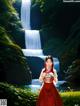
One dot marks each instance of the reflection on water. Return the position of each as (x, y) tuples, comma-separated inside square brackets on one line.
[(36, 85)]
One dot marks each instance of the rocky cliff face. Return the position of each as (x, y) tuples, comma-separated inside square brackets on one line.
[(60, 31), (13, 64)]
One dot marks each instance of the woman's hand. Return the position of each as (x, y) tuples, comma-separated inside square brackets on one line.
[(51, 74), (43, 75)]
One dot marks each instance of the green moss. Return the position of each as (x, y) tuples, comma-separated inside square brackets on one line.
[(5, 39), (6, 6), (13, 68), (9, 19)]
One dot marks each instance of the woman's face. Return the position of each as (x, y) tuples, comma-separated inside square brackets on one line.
[(49, 63)]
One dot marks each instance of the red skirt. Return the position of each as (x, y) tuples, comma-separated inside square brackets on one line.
[(49, 96)]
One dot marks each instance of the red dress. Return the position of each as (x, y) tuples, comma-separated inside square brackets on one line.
[(49, 95)]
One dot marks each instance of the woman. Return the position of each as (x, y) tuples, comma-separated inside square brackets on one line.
[(48, 95)]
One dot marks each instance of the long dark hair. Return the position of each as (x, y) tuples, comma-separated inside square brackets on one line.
[(51, 58)]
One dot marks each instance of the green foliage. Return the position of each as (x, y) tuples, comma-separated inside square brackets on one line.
[(16, 95), (13, 64), (46, 5), (42, 3), (21, 96), (9, 19), (6, 5), (73, 74), (71, 98)]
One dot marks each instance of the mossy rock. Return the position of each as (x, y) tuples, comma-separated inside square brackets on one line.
[(9, 19), (13, 64)]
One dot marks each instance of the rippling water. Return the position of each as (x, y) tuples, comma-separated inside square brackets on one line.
[(36, 85)]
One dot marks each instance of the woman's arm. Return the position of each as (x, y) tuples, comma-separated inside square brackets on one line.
[(41, 77), (55, 77)]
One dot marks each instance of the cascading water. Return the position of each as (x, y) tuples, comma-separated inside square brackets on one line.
[(25, 14), (32, 37)]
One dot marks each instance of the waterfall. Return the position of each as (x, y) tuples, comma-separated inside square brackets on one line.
[(32, 37), (25, 14)]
